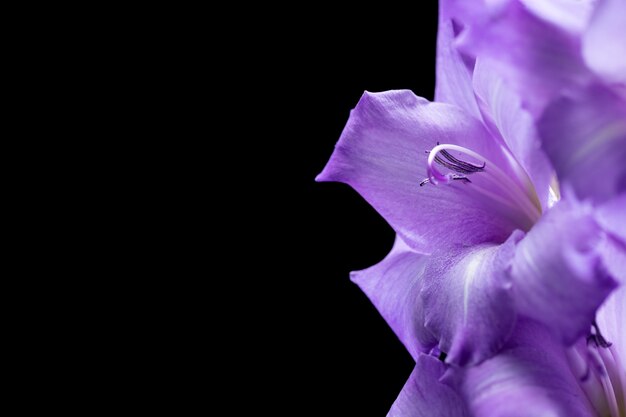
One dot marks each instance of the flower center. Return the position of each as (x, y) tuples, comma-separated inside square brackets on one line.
[(515, 192), (601, 374)]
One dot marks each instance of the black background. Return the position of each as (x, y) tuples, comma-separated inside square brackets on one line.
[(323, 339)]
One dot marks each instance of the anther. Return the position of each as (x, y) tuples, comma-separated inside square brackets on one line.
[(597, 337), (454, 177), (462, 164)]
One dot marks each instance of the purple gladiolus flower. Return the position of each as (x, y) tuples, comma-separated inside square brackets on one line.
[(508, 197)]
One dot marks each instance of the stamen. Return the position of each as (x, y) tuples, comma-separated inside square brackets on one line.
[(598, 339), (466, 165), (605, 379), (451, 166), (458, 164), (460, 177), (463, 169), (518, 196), (620, 377), (601, 375), (454, 177), (587, 369)]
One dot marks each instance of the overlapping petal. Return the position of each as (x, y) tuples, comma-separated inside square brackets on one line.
[(569, 15), (611, 215), (425, 396), (530, 377), (585, 138), (538, 59), (393, 286), (468, 302), (454, 75), (604, 48), (382, 154), (559, 276), (446, 298), (503, 112)]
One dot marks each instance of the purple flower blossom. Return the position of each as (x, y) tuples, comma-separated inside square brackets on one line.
[(508, 196)]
